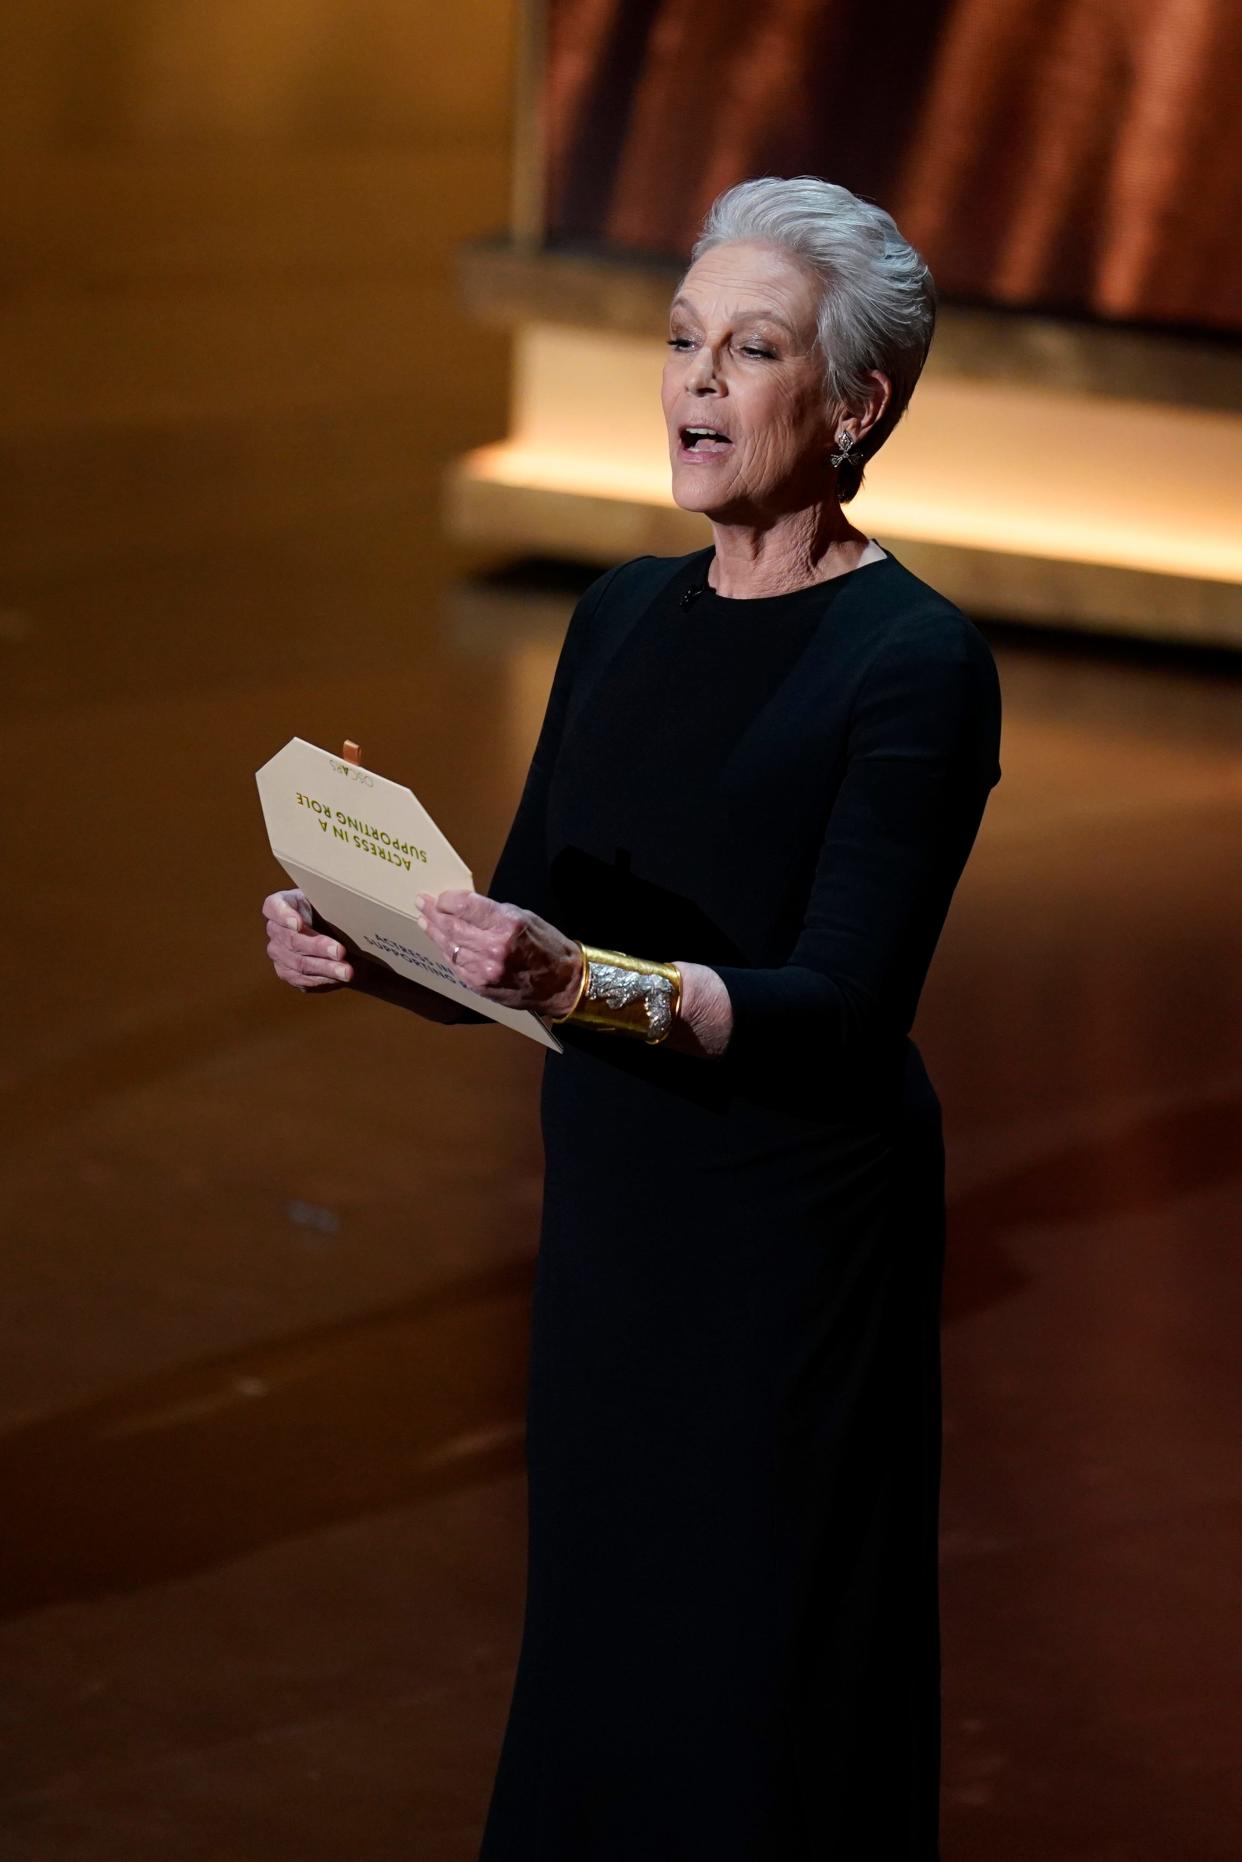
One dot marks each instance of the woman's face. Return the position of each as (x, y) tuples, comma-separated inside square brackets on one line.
[(743, 360)]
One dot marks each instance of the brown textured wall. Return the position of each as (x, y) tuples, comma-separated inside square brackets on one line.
[(1074, 155), (226, 304)]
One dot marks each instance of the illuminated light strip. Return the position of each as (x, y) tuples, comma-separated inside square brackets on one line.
[(1073, 536), (976, 465)]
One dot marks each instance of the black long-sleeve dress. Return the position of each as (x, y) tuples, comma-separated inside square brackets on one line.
[(731, 1641)]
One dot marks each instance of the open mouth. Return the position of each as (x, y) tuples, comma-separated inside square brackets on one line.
[(704, 440)]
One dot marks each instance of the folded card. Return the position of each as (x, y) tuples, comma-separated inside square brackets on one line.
[(361, 848)]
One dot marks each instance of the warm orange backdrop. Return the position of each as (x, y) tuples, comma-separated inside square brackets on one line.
[(1083, 156)]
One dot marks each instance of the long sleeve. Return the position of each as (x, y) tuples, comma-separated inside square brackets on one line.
[(922, 756), (521, 872)]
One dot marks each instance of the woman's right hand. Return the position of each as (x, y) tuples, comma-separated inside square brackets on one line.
[(300, 955)]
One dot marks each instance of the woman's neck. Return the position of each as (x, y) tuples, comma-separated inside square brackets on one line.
[(806, 546)]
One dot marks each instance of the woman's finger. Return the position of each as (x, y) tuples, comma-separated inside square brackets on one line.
[(446, 931), (434, 915), (478, 924), (466, 907), (280, 909), (303, 979), (305, 963), (312, 970), (474, 907), (307, 944)]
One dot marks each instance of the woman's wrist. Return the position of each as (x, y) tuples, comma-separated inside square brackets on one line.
[(566, 999), (704, 1020)]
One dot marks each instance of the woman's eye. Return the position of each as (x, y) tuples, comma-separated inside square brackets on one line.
[(748, 349)]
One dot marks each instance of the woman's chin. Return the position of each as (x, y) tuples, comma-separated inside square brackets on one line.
[(696, 490), (690, 498)]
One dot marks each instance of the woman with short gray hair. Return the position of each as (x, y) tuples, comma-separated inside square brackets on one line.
[(877, 301), (761, 771)]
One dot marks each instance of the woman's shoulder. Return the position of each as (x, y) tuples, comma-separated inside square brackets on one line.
[(636, 578), (610, 605), (906, 615)]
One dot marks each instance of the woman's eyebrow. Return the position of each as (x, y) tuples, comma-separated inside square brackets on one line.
[(755, 313)]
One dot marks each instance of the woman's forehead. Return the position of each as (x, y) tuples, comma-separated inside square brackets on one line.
[(742, 280)]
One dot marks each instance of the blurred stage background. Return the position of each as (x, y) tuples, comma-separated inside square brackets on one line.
[(303, 306)]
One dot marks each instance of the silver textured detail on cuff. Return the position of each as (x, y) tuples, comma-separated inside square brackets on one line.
[(617, 988)]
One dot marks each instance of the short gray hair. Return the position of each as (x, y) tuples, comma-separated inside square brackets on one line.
[(877, 305)]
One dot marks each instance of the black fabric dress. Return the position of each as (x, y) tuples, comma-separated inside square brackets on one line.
[(731, 1640)]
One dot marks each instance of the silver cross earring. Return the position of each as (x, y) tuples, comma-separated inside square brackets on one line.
[(845, 441)]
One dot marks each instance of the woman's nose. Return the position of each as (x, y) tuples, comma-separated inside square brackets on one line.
[(703, 368)]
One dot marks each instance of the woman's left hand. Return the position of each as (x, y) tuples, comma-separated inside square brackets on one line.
[(506, 953)]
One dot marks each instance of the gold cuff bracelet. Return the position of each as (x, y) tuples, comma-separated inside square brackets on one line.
[(620, 994)]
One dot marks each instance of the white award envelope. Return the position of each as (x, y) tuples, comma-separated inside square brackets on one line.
[(361, 847)]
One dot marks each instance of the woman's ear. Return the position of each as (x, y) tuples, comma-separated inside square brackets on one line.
[(877, 395)]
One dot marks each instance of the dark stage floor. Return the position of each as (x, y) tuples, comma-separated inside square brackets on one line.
[(268, 1257)]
